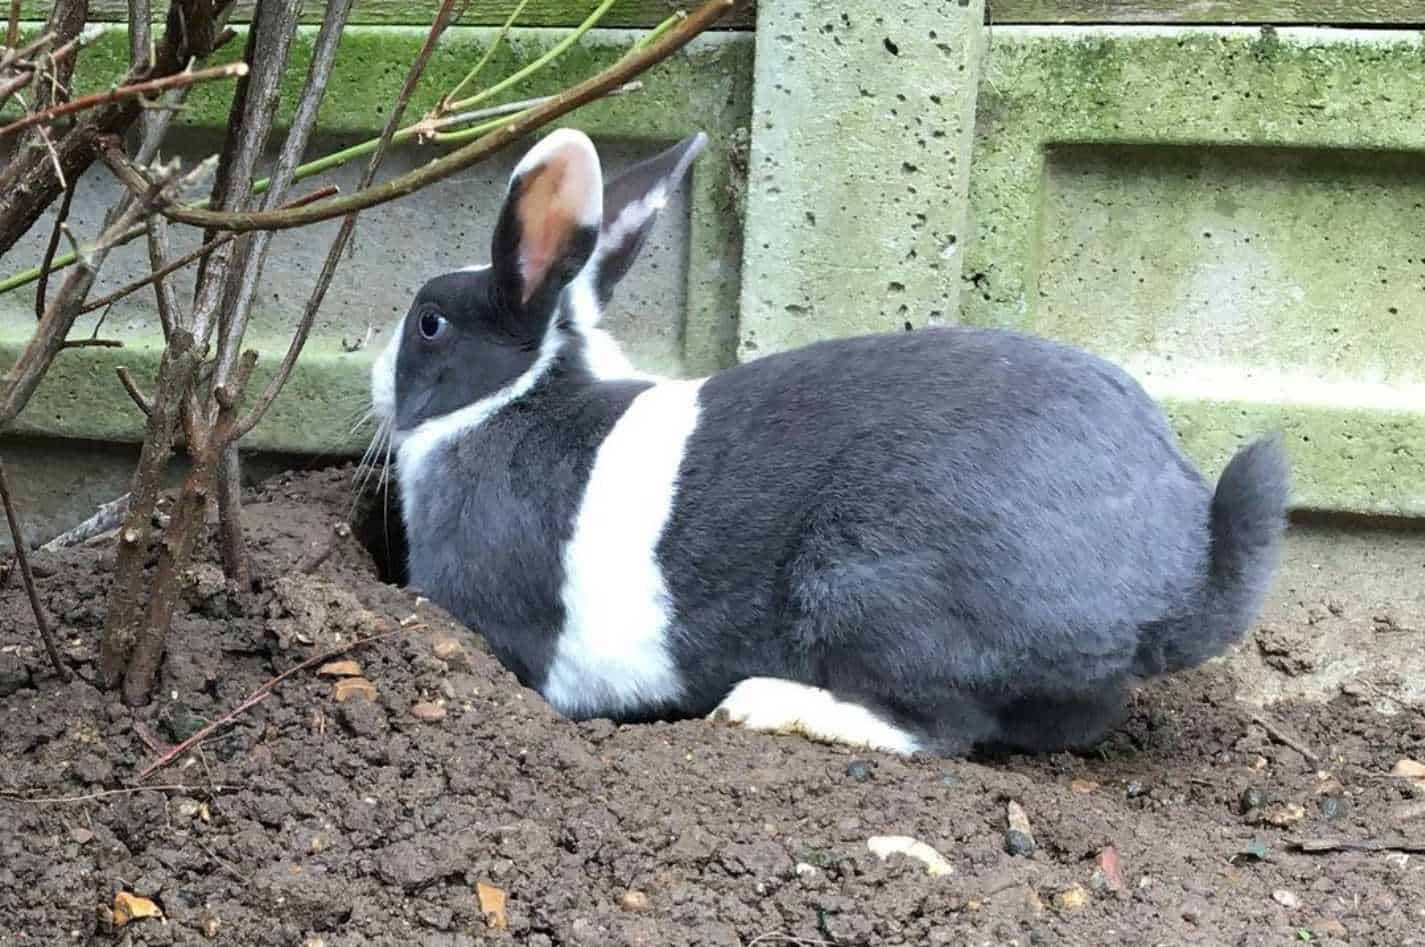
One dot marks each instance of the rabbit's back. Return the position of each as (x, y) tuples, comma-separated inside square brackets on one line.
[(948, 509)]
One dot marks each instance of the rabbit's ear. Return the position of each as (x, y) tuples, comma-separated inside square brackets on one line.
[(548, 227), (631, 206)]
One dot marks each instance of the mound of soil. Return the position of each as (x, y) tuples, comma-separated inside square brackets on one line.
[(435, 801)]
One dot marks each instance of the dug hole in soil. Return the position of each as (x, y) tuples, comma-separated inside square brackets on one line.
[(443, 804)]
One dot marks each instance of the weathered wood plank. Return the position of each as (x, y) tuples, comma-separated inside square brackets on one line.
[(1281, 12), (625, 13)]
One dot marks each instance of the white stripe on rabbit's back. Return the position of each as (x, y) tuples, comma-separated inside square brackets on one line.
[(614, 653), (774, 705)]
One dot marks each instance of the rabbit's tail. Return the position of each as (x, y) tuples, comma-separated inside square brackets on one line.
[(1247, 520)]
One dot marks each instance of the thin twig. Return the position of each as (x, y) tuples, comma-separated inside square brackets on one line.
[(553, 53), (1286, 739), (179, 263), (43, 288), (563, 103), (1320, 846), (12, 29), (104, 794), (348, 225), (135, 392), (135, 90), (94, 343), (17, 538), (445, 102), (262, 692), (29, 72)]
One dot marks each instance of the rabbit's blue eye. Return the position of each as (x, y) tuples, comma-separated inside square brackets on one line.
[(432, 325)]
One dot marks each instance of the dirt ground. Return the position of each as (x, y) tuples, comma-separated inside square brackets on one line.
[(445, 805)]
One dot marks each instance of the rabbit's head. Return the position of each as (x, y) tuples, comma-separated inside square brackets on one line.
[(485, 334)]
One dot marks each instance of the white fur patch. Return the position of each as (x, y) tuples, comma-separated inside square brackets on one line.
[(773, 705), (613, 654), (383, 376)]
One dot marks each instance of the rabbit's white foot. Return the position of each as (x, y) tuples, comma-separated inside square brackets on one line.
[(773, 705)]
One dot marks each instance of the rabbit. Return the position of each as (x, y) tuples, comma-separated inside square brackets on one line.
[(945, 541)]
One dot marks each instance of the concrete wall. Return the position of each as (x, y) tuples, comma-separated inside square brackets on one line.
[(1233, 213)]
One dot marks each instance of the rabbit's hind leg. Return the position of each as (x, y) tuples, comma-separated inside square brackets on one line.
[(775, 705)]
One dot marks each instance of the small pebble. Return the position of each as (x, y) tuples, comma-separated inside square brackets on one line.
[(1018, 844), (635, 902), (804, 870), (858, 770), (1330, 927), (1285, 816), (1135, 789), (1019, 836), (1286, 899), (428, 711), (1251, 798), (1330, 807)]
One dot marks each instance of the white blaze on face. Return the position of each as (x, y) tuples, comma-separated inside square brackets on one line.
[(383, 376)]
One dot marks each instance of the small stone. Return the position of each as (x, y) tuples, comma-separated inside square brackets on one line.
[(804, 870), (858, 770), (635, 902), (14, 675), (1071, 899), (1108, 872), (1329, 807), (1285, 816), (1019, 836), (1018, 844), (1135, 789), (1286, 899), (1330, 927), (211, 924), (1082, 787), (346, 668), (451, 652), (428, 711), (1412, 770), (1251, 799), (884, 846), (81, 836)]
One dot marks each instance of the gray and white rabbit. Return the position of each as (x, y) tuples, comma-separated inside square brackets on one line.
[(937, 541)]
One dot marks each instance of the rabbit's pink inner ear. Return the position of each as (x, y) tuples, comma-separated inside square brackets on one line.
[(559, 196)]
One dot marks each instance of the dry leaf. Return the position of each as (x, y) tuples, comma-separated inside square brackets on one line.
[(1412, 770), (446, 648), (492, 905), (1285, 816), (1083, 786), (130, 907), (349, 687), (346, 668), (1071, 899), (884, 846)]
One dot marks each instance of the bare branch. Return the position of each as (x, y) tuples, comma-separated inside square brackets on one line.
[(22, 556), (29, 72), (616, 75), (135, 392), (134, 90), (59, 220), (107, 517), (28, 184), (12, 30)]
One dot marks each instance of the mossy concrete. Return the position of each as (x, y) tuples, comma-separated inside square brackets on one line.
[(1248, 238), (859, 167), (676, 311)]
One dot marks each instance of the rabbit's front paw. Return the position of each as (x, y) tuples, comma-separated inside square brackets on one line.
[(773, 705)]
